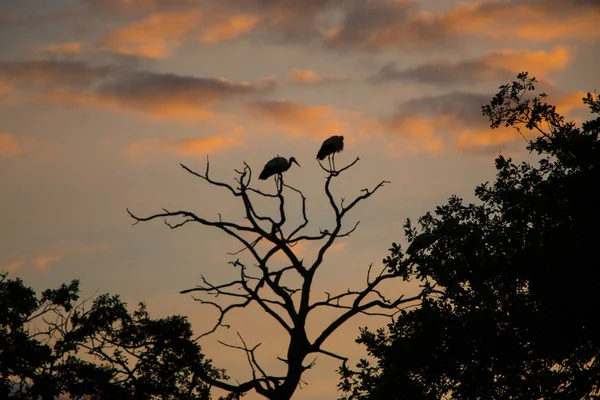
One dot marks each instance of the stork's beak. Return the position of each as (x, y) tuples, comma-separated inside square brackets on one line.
[(296, 163)]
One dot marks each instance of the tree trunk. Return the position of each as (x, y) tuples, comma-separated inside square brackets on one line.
[(297, 352)]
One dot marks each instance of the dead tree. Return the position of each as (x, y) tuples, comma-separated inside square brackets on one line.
[(290, 306)]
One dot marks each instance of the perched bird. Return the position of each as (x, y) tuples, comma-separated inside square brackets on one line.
[(277, 165), (421, 242), (329, 147)]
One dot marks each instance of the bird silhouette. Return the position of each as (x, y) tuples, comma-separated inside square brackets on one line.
[(333, 145), (277, 165), (421, 242)]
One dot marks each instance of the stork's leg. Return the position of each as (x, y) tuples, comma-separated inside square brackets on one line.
[(329, 161), (333, 160)]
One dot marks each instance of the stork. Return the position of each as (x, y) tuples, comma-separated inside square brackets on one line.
[(421, 242), (328, 149), (277, 166)]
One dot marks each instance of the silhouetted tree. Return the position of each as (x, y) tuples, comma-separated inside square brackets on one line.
[(273, 289), (50, 346), (513, 282)]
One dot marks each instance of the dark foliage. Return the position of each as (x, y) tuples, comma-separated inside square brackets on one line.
[(51, 347), (513, 282)]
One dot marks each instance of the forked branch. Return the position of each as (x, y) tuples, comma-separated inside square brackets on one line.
[(268, 288)]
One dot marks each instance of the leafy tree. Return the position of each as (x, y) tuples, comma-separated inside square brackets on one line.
[(286, 293), (512, 285), (51, 346)]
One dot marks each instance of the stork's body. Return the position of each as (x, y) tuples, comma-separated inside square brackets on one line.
[(333, 145), (277, 165), (421, 242)]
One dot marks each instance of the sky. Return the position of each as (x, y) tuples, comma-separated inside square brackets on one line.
[(101, 100)]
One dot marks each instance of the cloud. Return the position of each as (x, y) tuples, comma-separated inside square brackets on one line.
[(364, 24), (18, 146), (157, 95), (9, 146), (142, 88), (232, 27), (153, 94), (303, 120), (137, 6), (154, 37), (401, 23), (210, 21), (13, 266), (464, 105), (304, 250), (5, 88), (540, 20), (307, 76), (274, 21), (537, 62), (501, 65), (378, 23), (63, 48), (284, 20), (50, 73), (567, 102), (142, 151), (452, 121), (43, 262), (66, 249)]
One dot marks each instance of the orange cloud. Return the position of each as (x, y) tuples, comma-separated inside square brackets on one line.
[(9, 146), (532, 22), (13, 266), (50, 73), (202, 146), (155, 37), (540, 20), (43, 262), (63, 48), (232, 27), (155, 108), (499, 65), (156, 95), (141, 151), (303, 75), (123, 5), (470, 139), (567, 102), (435, 134), (446, 122), (160, 96), (302, 250), (536, 62), (303, 120), (454, 122), (5, 88), (308, 76), (338, 246), (65, 249), (421, 134), (232, 19), (402, 23)]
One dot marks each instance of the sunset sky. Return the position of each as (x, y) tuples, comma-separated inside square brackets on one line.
[(101, 100)]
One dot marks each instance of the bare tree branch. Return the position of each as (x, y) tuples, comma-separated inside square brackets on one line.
[(268, 287)]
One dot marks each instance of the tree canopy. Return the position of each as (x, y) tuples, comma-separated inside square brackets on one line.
[(512, 285), (52, 346)]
